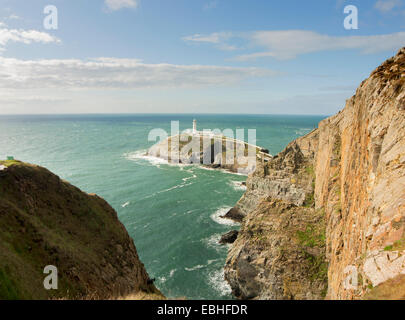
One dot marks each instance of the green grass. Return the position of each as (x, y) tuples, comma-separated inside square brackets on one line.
[(309, 200), (9, 163), (318, 267), (314, 236), (397, 245), (310, 170), (311, 237), (8, 289)]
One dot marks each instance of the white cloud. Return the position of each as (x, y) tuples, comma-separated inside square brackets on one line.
[(216, 37), (288, 44), (219, 39), (13, 17), (387, 5), (117, 73), (120, 4), (24, 36), (18, 100), (292, 43)]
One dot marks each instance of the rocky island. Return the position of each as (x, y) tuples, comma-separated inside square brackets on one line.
[(210, 150)]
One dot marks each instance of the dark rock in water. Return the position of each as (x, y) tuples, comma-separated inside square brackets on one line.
[(234, 214), (243, 183), (229, 237)]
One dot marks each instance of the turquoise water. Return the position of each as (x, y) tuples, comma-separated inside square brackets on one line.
[(172, 212)]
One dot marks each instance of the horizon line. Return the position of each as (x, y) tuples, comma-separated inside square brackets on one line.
[(160, 113)]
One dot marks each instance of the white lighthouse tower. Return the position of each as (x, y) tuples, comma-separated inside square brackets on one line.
[(194, 126)]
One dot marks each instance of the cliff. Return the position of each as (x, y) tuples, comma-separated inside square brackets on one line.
[(327, 215), (46, 221)]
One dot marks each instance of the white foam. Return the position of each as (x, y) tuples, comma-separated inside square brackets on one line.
[(181, 185), (191, 177), (302, 131), (171, 273), (162, 279), (217, 281), (200, 266), (213, 242), (142, 155), (237, 185), (216, 216), (156, 161), (212, 261), (125, 204)]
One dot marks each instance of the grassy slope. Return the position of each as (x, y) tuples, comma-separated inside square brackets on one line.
[(47, 221)]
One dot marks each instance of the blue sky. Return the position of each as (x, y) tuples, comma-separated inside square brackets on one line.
[(191, 56)]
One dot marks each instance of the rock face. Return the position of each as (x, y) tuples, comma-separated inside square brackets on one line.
[(357, 161), (46, 221), (229, 237), (280, 249), (360, 172)]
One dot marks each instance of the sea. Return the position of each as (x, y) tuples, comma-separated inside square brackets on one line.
[(173, 212)]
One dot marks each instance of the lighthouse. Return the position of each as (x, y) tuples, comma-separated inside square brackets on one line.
[(194, 126)]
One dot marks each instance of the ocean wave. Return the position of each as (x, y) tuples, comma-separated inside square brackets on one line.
[(200, 266), (125, 204), (156, 161), (188, 178), (237, 185), (181, 185), (213, 242), (302, 131), (141, 155), (171, 273), (212, 261), (162, 279), (217, 217), (217, 281)]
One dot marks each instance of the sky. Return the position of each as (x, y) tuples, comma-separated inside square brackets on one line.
[(191, 56)]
